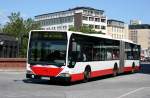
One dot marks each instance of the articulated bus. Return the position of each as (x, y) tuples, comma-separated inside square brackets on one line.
[(73, 56)]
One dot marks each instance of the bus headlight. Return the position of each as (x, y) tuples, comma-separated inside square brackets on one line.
[(64, 75)]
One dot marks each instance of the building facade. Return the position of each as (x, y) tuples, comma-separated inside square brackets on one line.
[(75, 17), (140, 34), (8, 46), (117, 29)]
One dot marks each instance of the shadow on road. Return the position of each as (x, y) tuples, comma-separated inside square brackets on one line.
[(44, 82), (59, 83)]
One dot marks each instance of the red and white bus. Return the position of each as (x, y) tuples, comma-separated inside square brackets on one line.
[(74, 56)]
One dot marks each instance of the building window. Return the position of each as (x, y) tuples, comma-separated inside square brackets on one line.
[(97, 26), (90, 12), (103, 20), (70, 19), (85, 18), (117, 29), (113, 29), (54, 28), (103, 27), (91, 26), (84, 11), (91, 19), (97, 13), (64, 27), (97, 19)]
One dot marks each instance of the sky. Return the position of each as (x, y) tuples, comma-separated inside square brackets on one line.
[(123, 10)]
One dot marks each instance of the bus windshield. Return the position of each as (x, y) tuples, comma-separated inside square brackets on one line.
[(47, 48)]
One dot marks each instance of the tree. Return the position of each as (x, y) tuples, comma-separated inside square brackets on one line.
[(30, 24), (15, 25), (85, 29), (19, 28), (0, 28)]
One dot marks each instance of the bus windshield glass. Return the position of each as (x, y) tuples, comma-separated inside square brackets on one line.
[(47, 48)]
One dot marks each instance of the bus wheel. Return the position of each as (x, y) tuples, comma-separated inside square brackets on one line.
[(87, 74), (133, 68), (115, 71)]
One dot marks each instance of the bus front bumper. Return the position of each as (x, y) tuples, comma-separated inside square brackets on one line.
[(62, 77)]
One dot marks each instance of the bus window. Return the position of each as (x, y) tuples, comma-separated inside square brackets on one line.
[(96, 52), (132, 51), (115, 54), (136, 52), (47, 48), (109, 54), (103, 53)]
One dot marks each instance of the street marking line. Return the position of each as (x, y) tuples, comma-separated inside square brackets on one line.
[(131, 92)]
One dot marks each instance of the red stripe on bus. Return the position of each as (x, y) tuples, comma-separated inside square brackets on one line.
[(80, 76), (127, 69), (46, 71), (101, 72), (77, 77), (138, 68)]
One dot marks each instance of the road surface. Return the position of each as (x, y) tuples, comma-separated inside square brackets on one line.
[(137, 85)]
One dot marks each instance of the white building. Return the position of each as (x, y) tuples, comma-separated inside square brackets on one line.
[(117, 29), (75, 17)]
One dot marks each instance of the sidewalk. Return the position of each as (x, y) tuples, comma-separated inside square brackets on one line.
[(12, 69)]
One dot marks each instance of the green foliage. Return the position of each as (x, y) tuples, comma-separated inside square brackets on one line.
[(85, 29), (15, 25), (19, 28), (0, 30)]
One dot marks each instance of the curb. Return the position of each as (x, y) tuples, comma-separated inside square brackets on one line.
[(12, 70)]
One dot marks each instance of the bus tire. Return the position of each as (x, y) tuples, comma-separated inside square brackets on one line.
[(115, 70), (87, 74), (133, 68)]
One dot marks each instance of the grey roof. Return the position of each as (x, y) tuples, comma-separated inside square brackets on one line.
[(76, 8), (89, 8), (115, 20), (140, 26)]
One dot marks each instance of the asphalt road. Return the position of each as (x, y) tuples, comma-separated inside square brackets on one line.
[(137, 85)]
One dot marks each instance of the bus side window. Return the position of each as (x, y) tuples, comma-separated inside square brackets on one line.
[(109, 54), (115, 54), (76, 52)]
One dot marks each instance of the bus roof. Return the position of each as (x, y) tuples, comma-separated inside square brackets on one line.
[(102, 36), (93, 35)]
